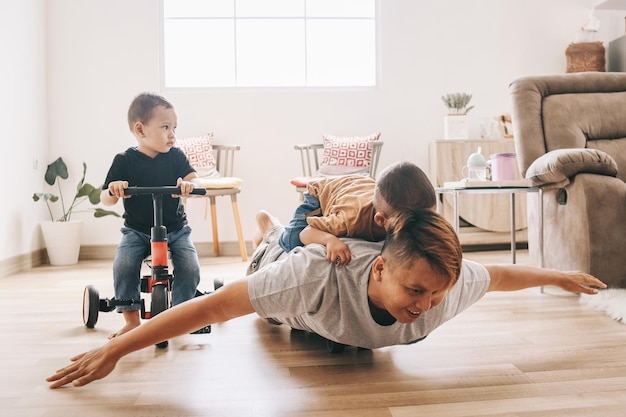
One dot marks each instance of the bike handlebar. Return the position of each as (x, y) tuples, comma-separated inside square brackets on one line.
[(169, 189)]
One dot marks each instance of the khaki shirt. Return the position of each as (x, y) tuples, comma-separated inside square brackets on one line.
[(347, 207)]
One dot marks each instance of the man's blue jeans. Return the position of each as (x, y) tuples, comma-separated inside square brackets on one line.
[(290, 237), (135, 247)]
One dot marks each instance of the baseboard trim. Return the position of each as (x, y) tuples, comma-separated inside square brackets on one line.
[(39, 257), (494, 247), (24, 262)]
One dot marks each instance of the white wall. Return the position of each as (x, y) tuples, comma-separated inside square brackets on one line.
[(23, 120), (102, 53)]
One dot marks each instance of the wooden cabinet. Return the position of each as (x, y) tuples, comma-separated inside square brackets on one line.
[(487, 216)]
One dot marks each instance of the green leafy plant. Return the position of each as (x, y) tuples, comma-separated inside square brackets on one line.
[(457, 103), (84, 191)]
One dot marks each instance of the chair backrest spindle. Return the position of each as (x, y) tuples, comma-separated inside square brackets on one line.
[(225, 159)]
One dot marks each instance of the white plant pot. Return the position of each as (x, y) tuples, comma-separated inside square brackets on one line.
[(455, 127), (62, 241)]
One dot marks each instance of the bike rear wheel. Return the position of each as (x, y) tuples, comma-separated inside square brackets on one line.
[(160, 302)]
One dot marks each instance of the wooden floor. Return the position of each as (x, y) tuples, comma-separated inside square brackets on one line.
[(511, 354)]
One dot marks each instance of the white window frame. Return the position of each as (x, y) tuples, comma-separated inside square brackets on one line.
[(290, 88)]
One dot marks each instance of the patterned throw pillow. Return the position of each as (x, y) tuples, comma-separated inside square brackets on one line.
[(347, 155), (199, 151)]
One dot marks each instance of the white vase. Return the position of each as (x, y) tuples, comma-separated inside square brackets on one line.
[(455, 126), (62, 241)]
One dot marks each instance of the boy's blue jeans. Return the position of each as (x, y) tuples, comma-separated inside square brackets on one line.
[(290, 237), (135, 247)]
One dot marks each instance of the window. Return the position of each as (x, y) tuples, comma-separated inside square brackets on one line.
[(269, 43)]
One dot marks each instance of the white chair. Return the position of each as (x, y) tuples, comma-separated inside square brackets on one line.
[(311, 159), (225, 161), (224, 185)]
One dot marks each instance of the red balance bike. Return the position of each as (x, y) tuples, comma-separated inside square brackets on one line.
[(159, 283)]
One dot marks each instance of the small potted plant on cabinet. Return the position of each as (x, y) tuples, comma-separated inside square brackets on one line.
[(62, 235), (455, 123)]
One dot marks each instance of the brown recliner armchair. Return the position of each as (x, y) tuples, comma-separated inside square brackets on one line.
[(570, 139)]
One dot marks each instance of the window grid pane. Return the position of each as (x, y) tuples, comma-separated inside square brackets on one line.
[(340, 8), (270, 52), (198, 8), (269, 8), (340, 53), (209, 63), (269, 46)]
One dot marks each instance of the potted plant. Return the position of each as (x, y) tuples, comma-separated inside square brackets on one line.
[(62, 235), (455, 123)]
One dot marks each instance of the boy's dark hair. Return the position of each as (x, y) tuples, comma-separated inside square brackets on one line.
[(140, 109), (404, 186), (423, 234)]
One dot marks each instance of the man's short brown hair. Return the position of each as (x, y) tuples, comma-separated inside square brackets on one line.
[(423, 234)]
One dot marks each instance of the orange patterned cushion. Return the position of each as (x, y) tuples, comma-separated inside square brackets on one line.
[(199, 151), (347, 155)]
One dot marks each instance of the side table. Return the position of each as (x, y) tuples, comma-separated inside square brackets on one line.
[(492, 187)]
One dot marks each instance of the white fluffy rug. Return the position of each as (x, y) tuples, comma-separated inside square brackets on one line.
[(611, 301)]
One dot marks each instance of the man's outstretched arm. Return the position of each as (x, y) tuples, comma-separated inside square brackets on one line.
[(518, 277), (228, 302)]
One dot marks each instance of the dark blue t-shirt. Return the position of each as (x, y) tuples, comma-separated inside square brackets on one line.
[(142, 171)]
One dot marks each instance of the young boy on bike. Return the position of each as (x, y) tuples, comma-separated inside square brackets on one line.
[(153, 162)]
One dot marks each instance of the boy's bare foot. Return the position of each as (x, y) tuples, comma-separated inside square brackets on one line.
[(132, 320), (264, 222)]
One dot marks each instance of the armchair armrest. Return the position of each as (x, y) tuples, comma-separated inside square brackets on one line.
[(555, 168)]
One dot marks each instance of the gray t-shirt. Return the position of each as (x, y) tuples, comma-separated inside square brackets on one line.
[(305, 291)]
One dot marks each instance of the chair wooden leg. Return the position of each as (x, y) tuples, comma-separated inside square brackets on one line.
[(242, 242), (216, 242)]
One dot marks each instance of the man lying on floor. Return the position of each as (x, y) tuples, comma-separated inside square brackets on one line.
[(392, 292)]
